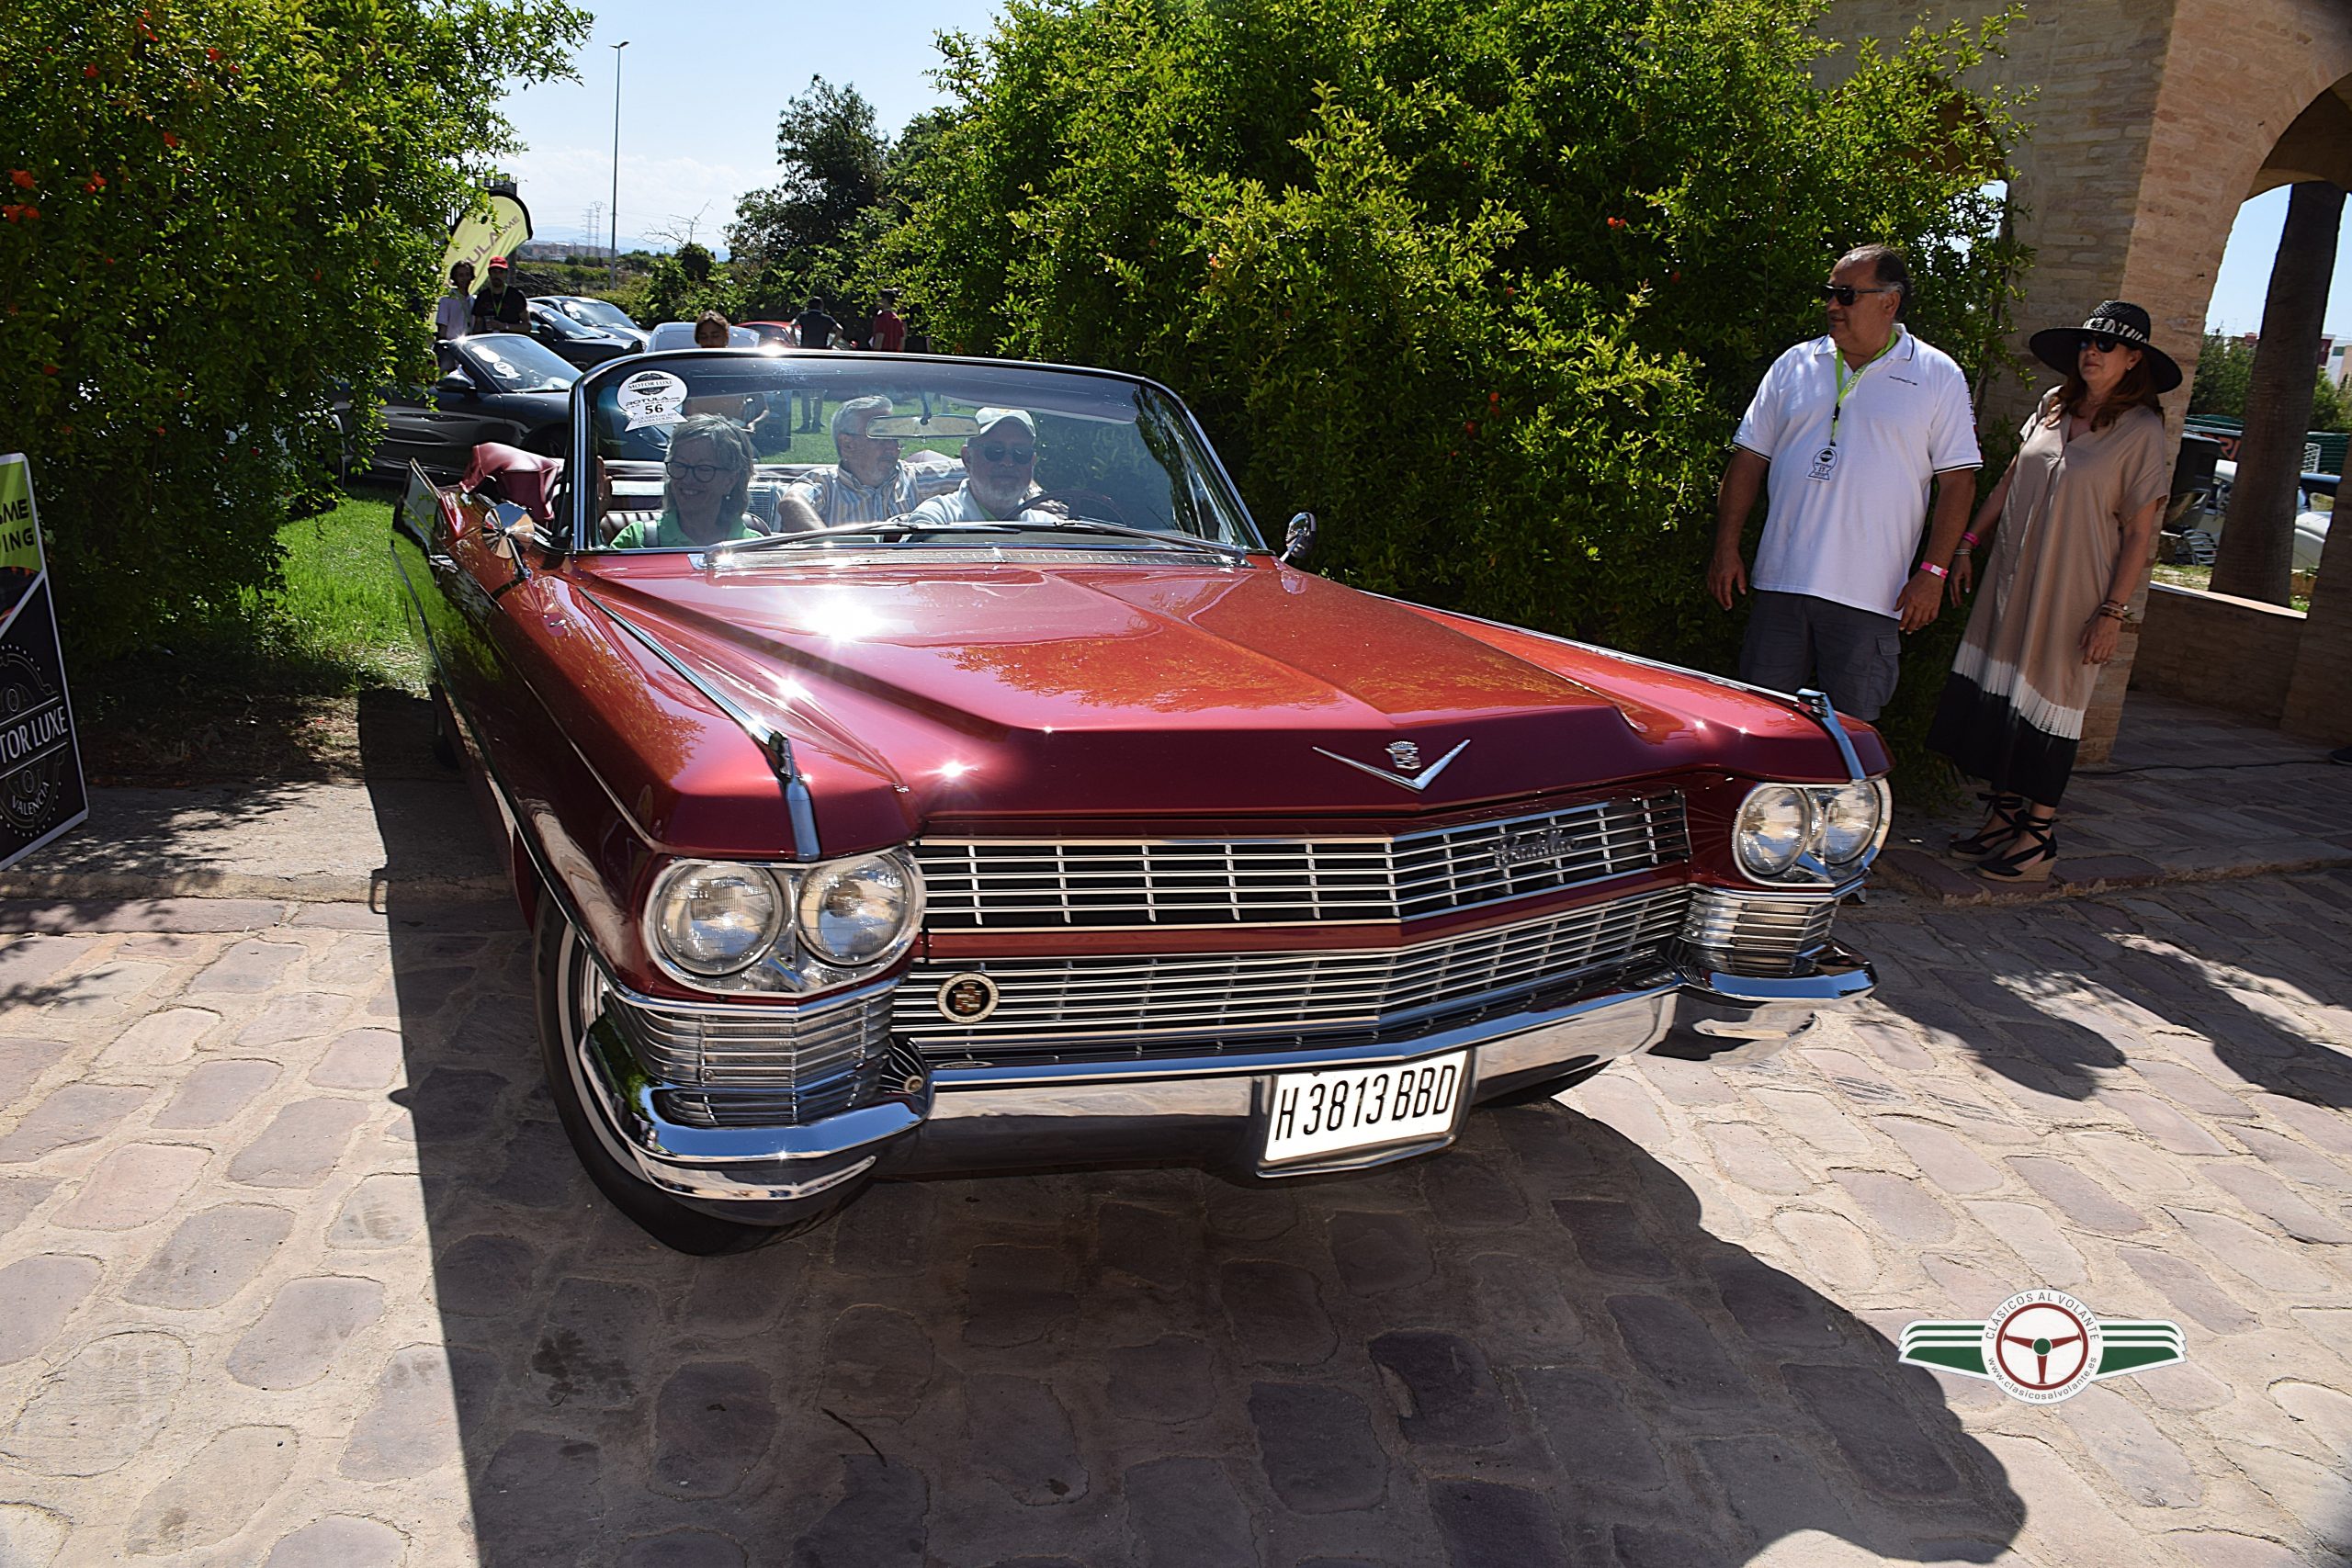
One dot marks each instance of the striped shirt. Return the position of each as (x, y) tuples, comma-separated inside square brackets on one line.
[(836, 498)]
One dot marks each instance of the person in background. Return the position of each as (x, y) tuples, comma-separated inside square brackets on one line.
[(2077, 510), (707, 489), (871, 483), (817, 329), (710, 330), (454, 312), (499, 307), (890, 328), (1849, 430)]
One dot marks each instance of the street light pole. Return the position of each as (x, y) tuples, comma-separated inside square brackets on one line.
[(615, 276)]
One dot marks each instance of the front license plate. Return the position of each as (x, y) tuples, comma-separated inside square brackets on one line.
[(1326, 1113)]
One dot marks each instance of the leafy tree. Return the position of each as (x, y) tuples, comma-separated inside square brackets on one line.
[(833, 157), (2225, 369), (1485, 286), (219, 211)]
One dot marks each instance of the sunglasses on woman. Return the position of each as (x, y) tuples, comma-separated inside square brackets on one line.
[(2106, 342), (998, 452)]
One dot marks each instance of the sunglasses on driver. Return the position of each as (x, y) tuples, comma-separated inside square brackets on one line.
[(999, 452)]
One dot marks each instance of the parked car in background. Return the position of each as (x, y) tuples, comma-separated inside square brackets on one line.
[(1078, 827), (2312, 517), (2315, 508), (668, 335), (574, 342), (777, 334), (590, 311), (499, 386)]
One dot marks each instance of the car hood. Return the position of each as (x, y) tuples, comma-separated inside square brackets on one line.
[(1126, 690)]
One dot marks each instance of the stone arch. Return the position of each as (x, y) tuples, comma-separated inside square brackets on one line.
[(2153, 122)]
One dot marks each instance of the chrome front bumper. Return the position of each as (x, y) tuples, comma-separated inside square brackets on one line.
[(1205, 1111)]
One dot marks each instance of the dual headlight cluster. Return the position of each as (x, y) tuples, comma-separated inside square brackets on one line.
[(1811, 832), (713, 923)]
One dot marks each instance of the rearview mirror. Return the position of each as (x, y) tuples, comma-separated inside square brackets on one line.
[(1299, 537), (919, 427)]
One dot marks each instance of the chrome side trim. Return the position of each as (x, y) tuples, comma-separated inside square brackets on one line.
[(774, 743)]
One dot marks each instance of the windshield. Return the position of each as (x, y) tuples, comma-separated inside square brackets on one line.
[(513, 363), (701, 448), (599, 312)]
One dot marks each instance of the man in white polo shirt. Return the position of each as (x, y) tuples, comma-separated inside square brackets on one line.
[(1848, 430)]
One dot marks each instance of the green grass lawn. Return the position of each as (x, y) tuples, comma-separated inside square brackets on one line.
[(339, 610), (308, 678)]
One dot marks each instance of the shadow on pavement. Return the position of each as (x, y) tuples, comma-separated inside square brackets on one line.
[(1530, 1352)]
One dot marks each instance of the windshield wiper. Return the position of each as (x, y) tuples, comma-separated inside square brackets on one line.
[(901, 528), (1179, 541)]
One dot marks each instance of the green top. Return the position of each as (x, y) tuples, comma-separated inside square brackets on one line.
[(668, 534)]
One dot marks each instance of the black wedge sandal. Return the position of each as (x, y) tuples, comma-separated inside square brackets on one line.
[(2032, 858), (2008, 813)]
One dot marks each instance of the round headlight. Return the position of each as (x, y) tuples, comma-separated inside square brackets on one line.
[(1850, 818), (1772, 830), (714, 916), (855, 911)]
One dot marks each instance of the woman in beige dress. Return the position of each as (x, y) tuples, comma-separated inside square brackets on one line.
[(2077, 514)]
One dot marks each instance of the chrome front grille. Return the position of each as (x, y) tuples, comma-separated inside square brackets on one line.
[(1124, 1004), (1001, 884), (809, 1061), (1762, 934)]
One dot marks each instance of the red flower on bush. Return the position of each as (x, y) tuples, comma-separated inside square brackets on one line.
[(49, 369), (171, 141), (1616, 222), (1494, 399), (1469, 427), (94, 185), (89, 70), (24, 179), (213, 56)]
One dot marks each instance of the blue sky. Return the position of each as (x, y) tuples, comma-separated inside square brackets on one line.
[(702, 80)]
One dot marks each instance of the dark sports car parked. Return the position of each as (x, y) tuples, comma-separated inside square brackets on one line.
[(498, 387), (583, 346), (602, 314)]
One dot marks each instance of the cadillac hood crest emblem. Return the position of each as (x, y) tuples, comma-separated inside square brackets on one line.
[(1405, 756)]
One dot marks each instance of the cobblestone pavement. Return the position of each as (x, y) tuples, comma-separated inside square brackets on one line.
[(296, 1270)]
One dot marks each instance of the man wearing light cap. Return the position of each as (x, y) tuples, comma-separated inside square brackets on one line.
[(498, 308), (1000, 465)]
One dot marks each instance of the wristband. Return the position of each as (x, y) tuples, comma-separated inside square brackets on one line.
[(1933, 570), (1969, 541)]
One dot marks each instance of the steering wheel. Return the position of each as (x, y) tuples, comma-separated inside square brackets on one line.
[(1080, 502)]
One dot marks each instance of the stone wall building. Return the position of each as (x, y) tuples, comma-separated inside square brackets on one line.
[(2153, 122)]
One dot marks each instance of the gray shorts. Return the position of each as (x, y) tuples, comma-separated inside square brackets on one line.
[(1796, 640)]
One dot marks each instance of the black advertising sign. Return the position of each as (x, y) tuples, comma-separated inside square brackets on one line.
[(42, 793)]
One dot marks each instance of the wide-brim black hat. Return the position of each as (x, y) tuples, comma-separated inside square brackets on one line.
[(2060, 347)]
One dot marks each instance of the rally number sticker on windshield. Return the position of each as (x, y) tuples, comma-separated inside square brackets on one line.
[(652, 397)]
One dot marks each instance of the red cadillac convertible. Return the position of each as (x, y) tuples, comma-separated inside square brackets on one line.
[(964, 785)]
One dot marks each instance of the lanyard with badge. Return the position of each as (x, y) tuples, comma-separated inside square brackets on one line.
[(1824, 462)]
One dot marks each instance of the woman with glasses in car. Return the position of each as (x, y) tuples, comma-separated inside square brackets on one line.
[(706, 491), (2076, 513)]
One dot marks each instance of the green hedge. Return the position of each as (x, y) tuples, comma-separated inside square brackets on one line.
[(1484, 287)]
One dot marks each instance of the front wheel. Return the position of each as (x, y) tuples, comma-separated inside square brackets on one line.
[(570, 997)]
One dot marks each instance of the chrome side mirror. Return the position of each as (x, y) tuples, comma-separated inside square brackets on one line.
[(1298, 539)]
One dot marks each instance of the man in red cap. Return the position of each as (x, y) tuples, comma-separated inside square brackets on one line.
[(498, 307)]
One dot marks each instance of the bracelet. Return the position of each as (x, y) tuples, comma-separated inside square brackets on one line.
[(2114, 611), (1969, 541), (1932, 569)]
